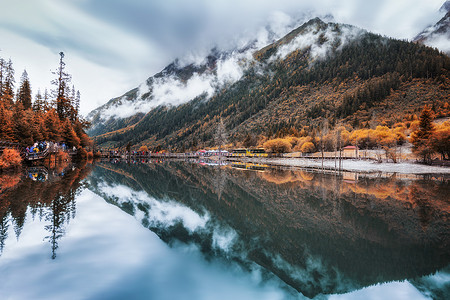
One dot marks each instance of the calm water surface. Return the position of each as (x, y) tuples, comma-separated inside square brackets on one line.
[(188, 230)]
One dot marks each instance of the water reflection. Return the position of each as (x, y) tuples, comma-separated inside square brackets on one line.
[(234, 231), (319, 233), (46, 193)]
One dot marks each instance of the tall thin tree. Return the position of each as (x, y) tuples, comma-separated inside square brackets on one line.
[(62, 102)]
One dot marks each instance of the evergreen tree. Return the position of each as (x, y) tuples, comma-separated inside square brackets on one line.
[(69, 135), (421, 138), (77, 103), (38, 104), (8, 85), (53, 125), (62, 101), (6, 123), (47, 104), (2, 70), (22, 127), (221, 135), (24, 92)]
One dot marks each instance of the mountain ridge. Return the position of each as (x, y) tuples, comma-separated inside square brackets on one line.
[(438, 35), (342, 59)]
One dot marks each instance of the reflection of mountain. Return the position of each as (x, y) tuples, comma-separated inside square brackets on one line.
[(315, 232), (54, 200)]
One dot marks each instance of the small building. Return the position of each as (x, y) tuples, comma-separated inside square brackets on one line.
[(350, 151)]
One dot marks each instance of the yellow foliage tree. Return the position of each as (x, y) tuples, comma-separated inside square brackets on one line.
[(308, 147), (277, 146)]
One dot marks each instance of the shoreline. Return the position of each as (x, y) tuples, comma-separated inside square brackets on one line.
[(351, 165)]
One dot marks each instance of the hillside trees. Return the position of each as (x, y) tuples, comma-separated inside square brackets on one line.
[(26, 122)]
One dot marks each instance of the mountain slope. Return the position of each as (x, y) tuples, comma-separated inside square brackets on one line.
[(319, 70), (438, 35)]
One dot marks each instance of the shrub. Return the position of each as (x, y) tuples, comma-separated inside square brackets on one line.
[(308, 147), (10, 159), (277, 146)]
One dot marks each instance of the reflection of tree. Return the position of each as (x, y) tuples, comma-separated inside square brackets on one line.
[(61, 211), (3, 232), (220, 181), (53, 201)]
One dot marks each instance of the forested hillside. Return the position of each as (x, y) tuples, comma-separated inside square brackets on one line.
[(342, 75)]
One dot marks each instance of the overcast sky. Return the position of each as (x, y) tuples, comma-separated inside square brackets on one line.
[(112, 46)]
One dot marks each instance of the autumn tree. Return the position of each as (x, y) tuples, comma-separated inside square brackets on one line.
[(440, 140), (22, 129), (6, 123), (53, 125), (277, 146), (421, 138)]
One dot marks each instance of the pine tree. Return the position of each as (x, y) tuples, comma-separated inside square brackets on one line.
[(2, 70), (77, 103), (47, 104), (38, 104), (24, 92), (8, 85), (70, 135), (221, 135), (22, 128), (421, 138), (53, 125), (62, 101), (6, 124)]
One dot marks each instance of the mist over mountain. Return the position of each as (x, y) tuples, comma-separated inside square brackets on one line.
[(438, 35), (273, 82)]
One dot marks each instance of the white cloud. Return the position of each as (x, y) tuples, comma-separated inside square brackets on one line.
[(319, 41), (110, 48)]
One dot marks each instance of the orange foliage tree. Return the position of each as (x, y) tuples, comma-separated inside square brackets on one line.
[(10, 159)]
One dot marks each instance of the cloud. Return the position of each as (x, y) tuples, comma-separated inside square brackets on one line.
[(173, 91), (135, 39), (319, 41)]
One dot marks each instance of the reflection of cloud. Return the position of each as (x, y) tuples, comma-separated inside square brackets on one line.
[(160, 213), (107, 255), (224, 239)]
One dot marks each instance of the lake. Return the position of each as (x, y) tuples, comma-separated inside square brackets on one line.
[(198, 230)]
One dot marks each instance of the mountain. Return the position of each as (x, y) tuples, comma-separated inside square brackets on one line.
[(319, 70), (438, 35)]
